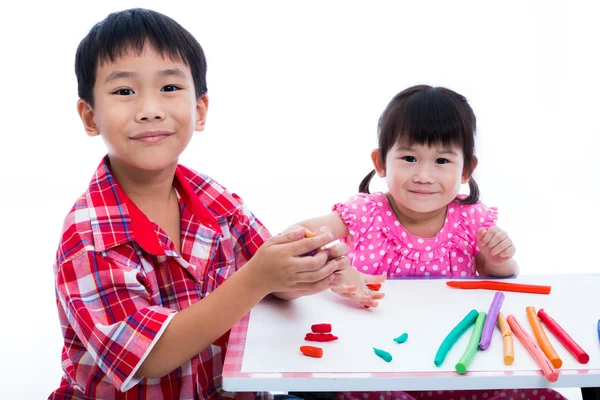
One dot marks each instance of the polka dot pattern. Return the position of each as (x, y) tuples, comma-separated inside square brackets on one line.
[(380, 244)]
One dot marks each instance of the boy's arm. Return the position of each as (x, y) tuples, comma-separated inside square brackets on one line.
[(338, 228), (131, 338)]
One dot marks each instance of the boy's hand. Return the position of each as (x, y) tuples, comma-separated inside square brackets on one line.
[(495, 245), (352, 284), (281, 267)]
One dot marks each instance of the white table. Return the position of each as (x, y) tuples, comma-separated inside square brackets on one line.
[(263, 353)]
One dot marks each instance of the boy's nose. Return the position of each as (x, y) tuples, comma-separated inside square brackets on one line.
[(150, 110)]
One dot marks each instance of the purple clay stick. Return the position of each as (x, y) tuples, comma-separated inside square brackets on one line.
[(490, 321)]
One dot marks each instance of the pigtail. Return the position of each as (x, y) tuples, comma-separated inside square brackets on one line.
[(473, 197), (364, 184)]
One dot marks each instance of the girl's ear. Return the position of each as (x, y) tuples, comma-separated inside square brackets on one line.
[(466, 175), (378, 162)]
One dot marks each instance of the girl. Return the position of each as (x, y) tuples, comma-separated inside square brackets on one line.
[(421, 226)]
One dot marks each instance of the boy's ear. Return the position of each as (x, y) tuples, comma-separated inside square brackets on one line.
[(467, 175), (201, 110), (86, 113), (378, 162)]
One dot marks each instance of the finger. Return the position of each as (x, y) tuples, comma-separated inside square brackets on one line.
[(488, 236), (288, 237), (319, 274), (375, 278), (321, 285), (377, 295), (508, 253), (497, 239), (301, 247), (500, 247), (337, 250), (344, 289)]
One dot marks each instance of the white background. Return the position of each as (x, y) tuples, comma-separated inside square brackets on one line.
[(295, 91)]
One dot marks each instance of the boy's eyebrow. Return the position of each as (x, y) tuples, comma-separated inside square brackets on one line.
[(129, 74), (171, 72), (118, 74)]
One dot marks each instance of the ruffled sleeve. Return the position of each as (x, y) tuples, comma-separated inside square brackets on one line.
[(358, 213)]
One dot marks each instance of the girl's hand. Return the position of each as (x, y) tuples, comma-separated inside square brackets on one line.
[(495, 245), (352, 285)]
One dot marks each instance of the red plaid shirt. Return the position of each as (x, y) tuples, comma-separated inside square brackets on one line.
[(119, 281)]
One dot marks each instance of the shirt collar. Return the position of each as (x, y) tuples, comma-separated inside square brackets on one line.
[(116, 220)]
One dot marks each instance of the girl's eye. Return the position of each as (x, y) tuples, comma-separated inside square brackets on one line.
[(123, 92), (170, 88), (410, 159), (441, 161)]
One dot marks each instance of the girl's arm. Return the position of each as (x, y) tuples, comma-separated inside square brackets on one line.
[(333, 221)]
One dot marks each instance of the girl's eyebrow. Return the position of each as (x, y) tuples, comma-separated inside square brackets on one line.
[(447, 151)]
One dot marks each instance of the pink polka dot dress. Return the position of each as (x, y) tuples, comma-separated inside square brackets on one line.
[(379, 244)]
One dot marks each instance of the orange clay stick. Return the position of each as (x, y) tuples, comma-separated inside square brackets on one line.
[(312, 351), (507, 339), (541, 337), (374, 286)]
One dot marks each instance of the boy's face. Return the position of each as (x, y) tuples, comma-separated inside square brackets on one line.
[(145, 109)]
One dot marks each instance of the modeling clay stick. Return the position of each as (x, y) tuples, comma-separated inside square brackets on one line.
[(453, 336), (507, 340), (320, 337), (547, 368), (311, 351), (402, 338), (309, 234), (564, 337), (321, 328), (490, 322), (503, 286), (467, 357), (383, 354), (541, 337), (374, 286)]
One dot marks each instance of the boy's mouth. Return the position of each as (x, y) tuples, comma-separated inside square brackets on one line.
[(151, 136)]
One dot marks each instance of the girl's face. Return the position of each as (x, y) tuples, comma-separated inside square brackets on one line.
[(420, 178)]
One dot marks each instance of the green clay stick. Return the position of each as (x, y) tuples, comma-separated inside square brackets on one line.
[(473, 346), (402, 338), (453, 336), (383, 354)]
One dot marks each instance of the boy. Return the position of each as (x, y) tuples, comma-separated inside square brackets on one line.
[(149, 240)]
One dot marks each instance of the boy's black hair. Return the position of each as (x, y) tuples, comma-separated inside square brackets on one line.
[(131, 30), (428, 115)]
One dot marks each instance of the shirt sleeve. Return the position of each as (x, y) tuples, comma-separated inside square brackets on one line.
[(359, 213), (247, 234), (109, 308)]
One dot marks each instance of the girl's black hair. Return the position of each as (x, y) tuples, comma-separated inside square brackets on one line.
[(427, 115)]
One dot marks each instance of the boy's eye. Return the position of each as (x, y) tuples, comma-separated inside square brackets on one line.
[(169, 88), (410, 159), (123, 92), (442, 161)]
